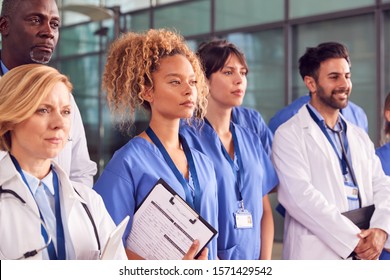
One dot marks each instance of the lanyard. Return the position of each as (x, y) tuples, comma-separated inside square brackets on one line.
[(194, 201), (236, 171), (60, 255), (3, 69), (344, 162), (342, 159)]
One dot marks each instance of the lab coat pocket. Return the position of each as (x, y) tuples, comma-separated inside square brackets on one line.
[(310, 247), (227, 254)]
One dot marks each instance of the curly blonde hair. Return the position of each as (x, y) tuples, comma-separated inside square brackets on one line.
[(131, 60)]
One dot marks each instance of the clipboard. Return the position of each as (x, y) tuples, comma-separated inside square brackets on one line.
[(165, 226), (361, 217), (114, 240)]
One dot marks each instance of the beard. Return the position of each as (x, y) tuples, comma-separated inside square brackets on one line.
[(332, 100), (40, 57)]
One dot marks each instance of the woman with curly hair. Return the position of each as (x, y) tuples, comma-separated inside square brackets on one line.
[(157, 71)]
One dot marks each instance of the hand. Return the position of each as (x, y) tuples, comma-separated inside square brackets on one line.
[(192, 252), (133, 256), (371, 244)]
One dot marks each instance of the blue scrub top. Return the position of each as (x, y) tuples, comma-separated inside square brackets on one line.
[(352, 113), (384, 155), (253, 120), (259, 178), (134, 170)]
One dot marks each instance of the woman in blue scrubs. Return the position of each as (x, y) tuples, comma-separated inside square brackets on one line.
[(156, 70), (384, 155), (244, 172)]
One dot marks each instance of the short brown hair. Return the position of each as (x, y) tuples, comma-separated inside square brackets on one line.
[(310, 62)]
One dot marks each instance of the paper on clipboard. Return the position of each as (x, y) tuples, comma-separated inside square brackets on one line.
[(165, 226), (113, 242)]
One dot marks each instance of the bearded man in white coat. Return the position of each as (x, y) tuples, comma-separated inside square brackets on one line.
[(327, 166)]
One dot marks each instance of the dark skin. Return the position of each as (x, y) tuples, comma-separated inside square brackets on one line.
[(30, 34)]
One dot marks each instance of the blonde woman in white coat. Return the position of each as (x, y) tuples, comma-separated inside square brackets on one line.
[(66, 220)]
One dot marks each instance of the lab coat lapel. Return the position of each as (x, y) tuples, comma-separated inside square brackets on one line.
[(353, 145), (315, 136), (8, 173), (73, 215), (312, 130)]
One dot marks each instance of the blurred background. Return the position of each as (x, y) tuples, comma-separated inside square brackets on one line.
[(272, 34)]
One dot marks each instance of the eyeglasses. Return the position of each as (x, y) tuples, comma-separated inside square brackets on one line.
[(9, 199)]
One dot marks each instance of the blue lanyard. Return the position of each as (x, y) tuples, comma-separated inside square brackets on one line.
[(236, 171), (342, 159), (60, 255), (344, 162), (194, 201)]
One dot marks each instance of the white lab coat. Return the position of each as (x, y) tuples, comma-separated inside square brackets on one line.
[(20, 231), (312, 189)]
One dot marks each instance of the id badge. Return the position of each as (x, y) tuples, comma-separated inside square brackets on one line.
[(243, 219), (351, 190)]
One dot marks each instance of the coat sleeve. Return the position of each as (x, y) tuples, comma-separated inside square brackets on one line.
[(104, 223), (82, 169), (381, 194)]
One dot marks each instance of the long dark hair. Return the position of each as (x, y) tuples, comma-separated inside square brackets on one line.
[(387, 108)]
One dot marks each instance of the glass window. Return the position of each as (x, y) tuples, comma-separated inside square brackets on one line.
[(138, 22), (84, 75), (264, 52), (194, 44), (79, 39), (362, 52), (234, 14), (127, 5), (187, 18), (303, 8), (162, 2)]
